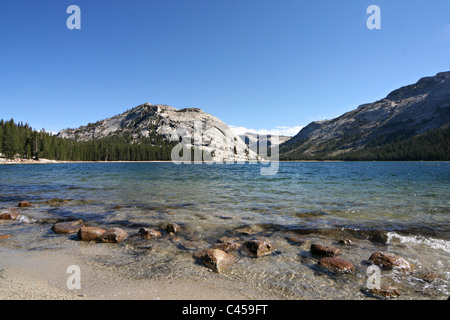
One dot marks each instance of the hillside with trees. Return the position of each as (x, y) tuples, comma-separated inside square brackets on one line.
[(21, 141)]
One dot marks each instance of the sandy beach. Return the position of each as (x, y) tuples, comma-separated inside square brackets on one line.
[(28, 275)]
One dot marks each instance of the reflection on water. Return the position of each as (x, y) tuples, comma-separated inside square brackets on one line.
[(400, 206)]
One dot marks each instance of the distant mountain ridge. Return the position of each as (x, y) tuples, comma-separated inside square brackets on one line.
[(405, 113), (254, 139), (171, 124)]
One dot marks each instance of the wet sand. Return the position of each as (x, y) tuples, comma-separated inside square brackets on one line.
[(28, 275)]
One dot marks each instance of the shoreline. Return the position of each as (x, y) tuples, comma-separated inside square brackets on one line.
[(48, 161), (28, 275), (169, 271)]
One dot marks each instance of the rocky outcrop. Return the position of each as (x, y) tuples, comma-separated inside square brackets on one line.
[(409, 111), (255, 140), (191, 126)]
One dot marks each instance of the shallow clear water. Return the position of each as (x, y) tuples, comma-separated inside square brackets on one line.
[(401, 207)]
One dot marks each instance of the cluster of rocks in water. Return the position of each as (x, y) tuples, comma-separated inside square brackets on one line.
[(220, 255)]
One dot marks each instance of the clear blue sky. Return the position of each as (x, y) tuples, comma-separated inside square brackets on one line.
[(258, 64)]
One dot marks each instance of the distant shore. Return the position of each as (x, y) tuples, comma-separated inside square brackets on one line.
[(49, 161)]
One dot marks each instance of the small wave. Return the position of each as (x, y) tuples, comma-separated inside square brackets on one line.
[(421, 240), (25, 219)]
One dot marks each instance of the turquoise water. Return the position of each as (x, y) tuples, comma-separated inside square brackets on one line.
[(401, 205), (392, 196)]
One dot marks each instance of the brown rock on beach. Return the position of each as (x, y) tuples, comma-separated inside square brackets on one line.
[(296, 239), (322, 250), (215, 259), (192, 245), (173, 228), (385, 291), (345, 241), (227, 244), (113, 235), (258, 247), (147, 233), (429, 277), (337, 264), (249, 230), (389, 261), (67, 227), (9, 214), (24, 204), (90, 233)]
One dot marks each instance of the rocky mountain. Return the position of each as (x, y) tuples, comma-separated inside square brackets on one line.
[(253, 139), (405, 113), (191, 126)]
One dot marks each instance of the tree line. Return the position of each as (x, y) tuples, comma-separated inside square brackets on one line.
[(20, 140), (433, 145)]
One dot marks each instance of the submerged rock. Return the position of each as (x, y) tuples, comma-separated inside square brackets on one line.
[(345, 241), (389, 261), (147, 233), (227, 244), (296, 239), (337, 264), (249, 230), (57, 201), (24, 204), (90, 233), (215, 259), (9, 214), (429, 277), (322, 250), (113, 235), (192, 245), (68, 227), (385, 291), (258, 247), (173, 228)]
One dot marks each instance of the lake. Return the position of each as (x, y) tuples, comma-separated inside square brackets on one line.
[(400, 207)]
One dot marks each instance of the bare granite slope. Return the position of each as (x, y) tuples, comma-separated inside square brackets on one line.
[(408, 111), (182, 125)]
